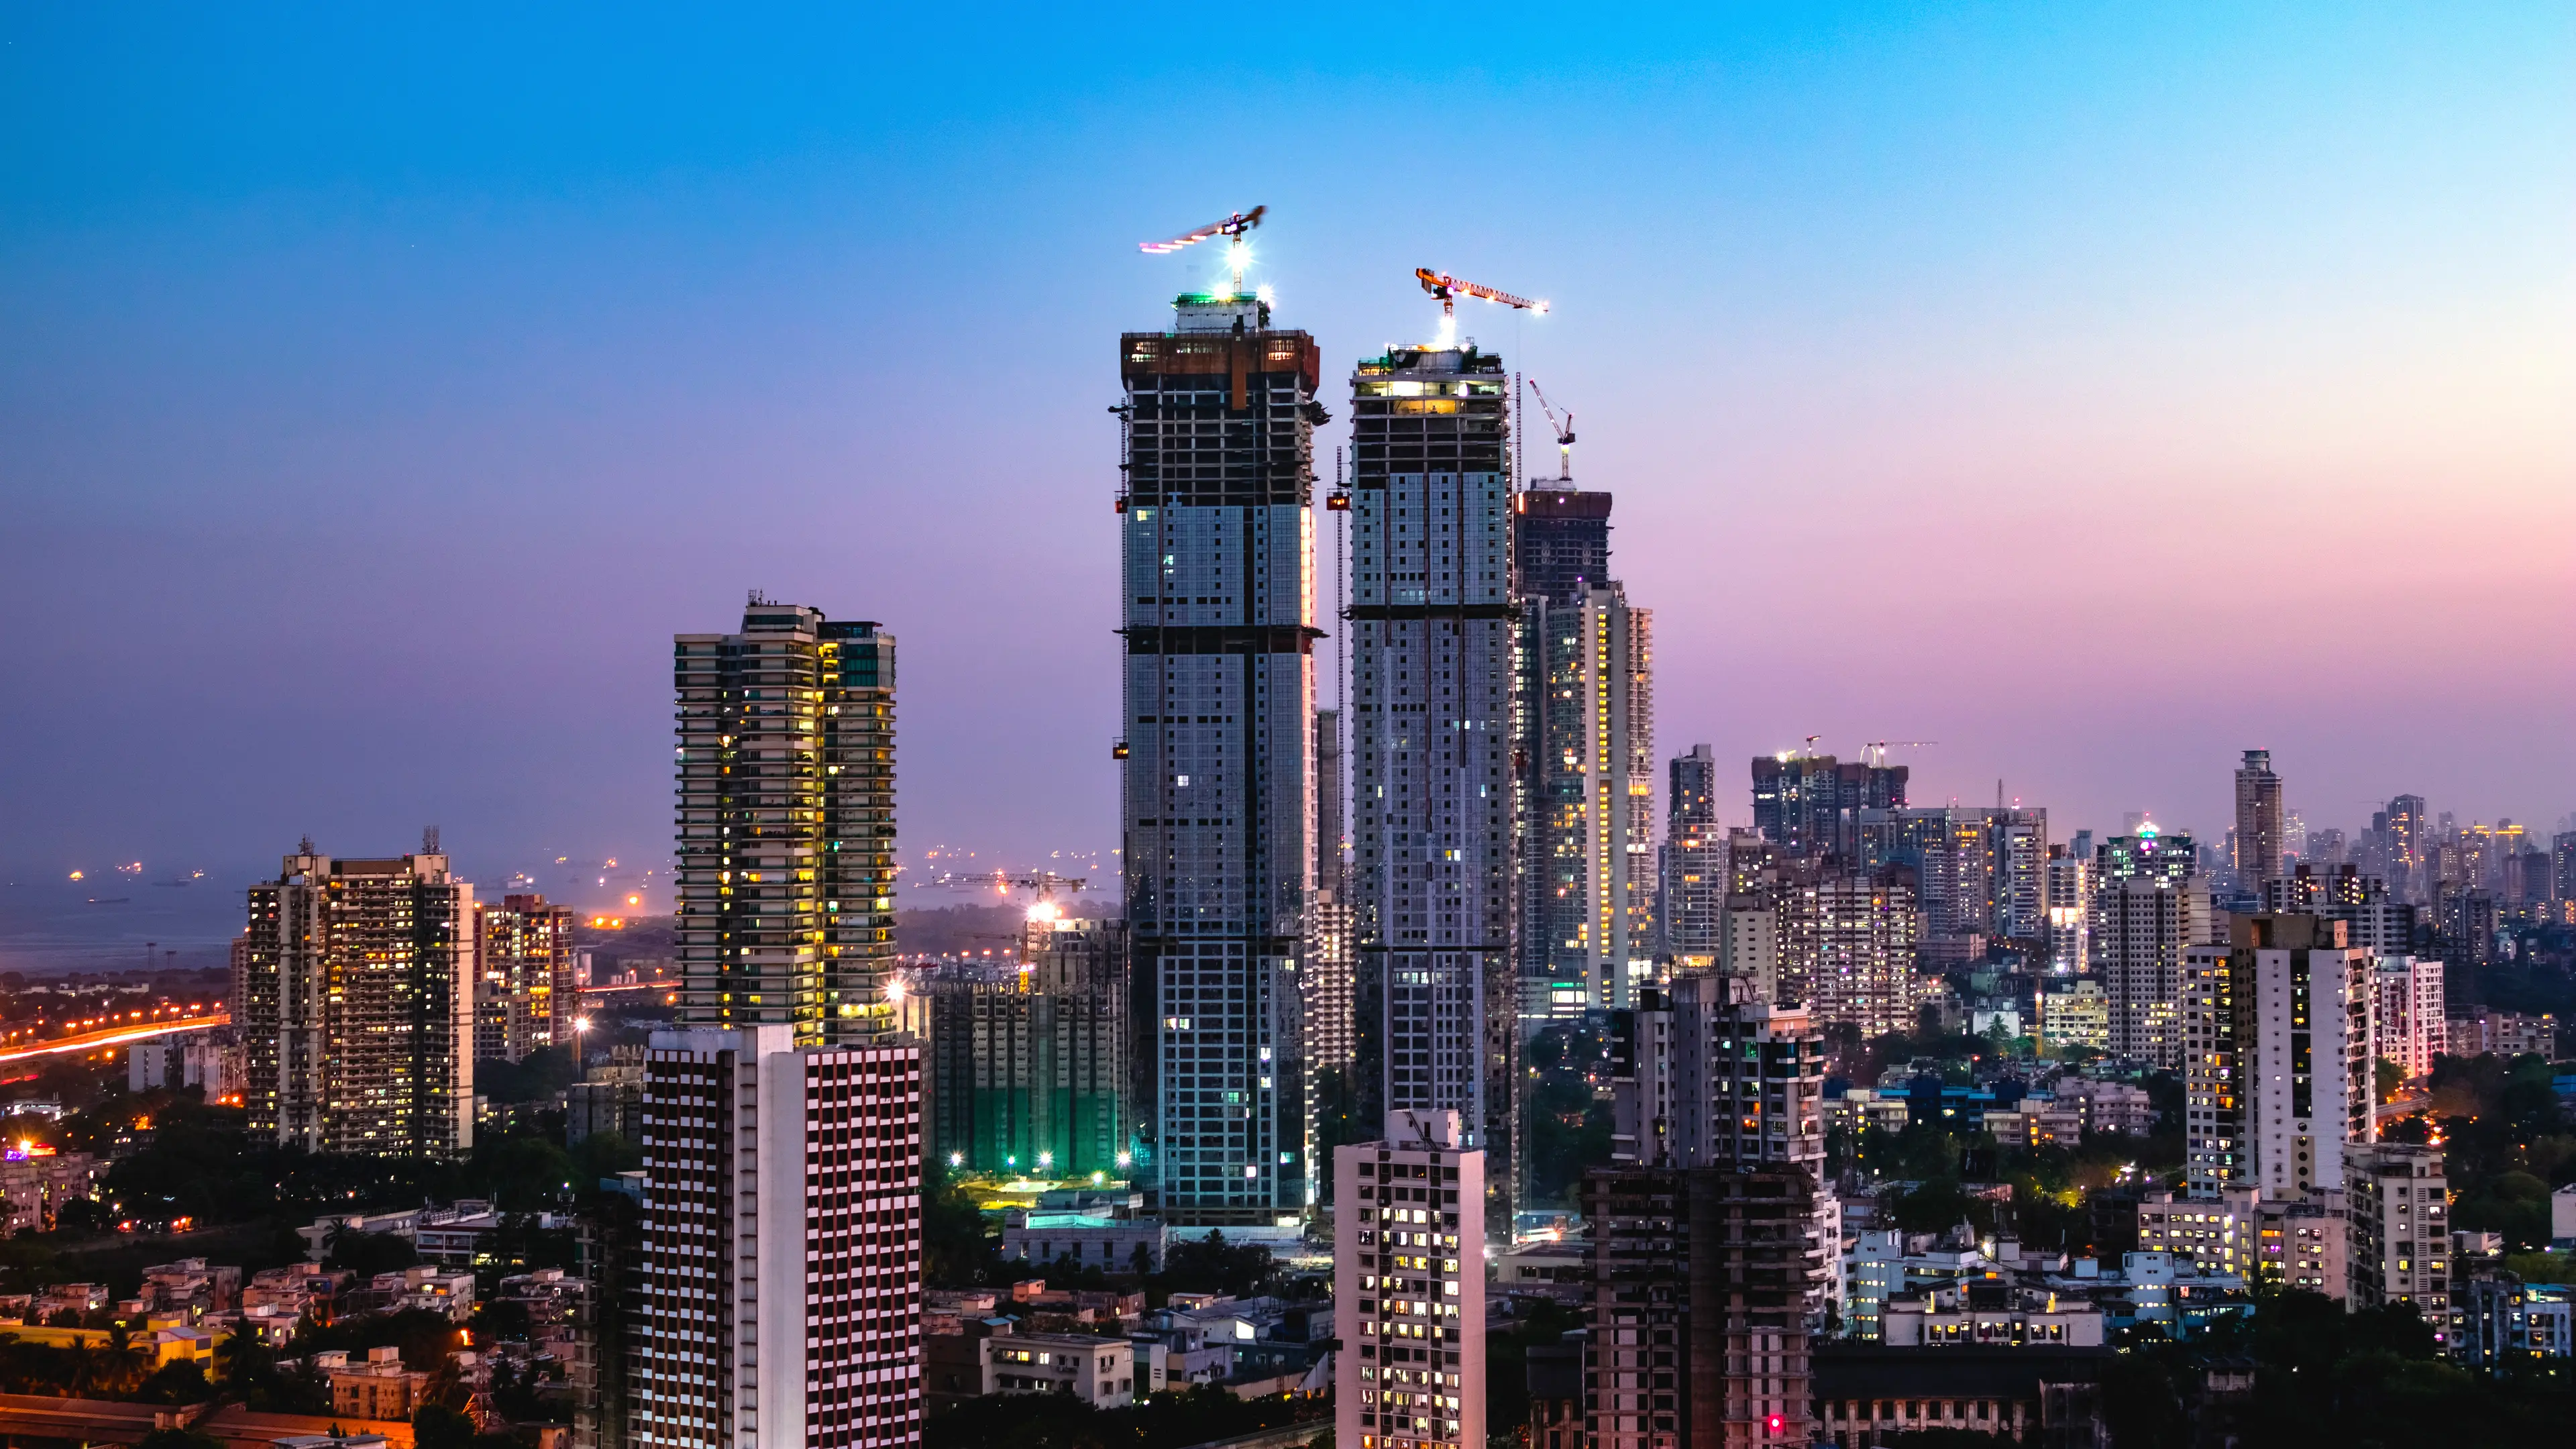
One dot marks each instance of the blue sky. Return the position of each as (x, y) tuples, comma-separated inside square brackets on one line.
[(2095, 390)]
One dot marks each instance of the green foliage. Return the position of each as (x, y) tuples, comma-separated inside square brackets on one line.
[(534, 1078), (2386, 1077), (2323, 1376), (1213, 1265), (1570, 1126), (959, 1253), (2507, 1143), (367, 1254)]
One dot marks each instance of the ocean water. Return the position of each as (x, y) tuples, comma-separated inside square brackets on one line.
[(122, 923)]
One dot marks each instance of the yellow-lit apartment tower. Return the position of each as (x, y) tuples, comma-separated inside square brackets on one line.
[(786, 824)]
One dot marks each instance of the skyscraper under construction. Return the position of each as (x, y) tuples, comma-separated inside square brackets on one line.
[(1218, 599), (1432, 716), (786, 825)]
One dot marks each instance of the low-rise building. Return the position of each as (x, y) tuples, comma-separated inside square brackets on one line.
[(1865, 1393), (1943, 1320), (376, 1387), (2505, 1033), (1087, 1240), (35, 1182), (2120, 1107), (2501, 1319), (1099, 1371), (429, 1289)]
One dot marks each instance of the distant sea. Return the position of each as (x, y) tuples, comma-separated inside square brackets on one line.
[(123, 923)]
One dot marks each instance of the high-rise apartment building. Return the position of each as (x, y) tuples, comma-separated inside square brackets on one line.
[(1707, 1075), (2278, 1057), (2373, 919), (1855, 938), (1698, 1323), (1978, 871), (779, 1268), (2148, 904), (2070, 913), (2260, 825), (1811, 804), (1217, 550), (2411, 1026), (2408, 826), (1692, 904), (1330, 984), (354, 998), (1432, 633), (1590, 881), (1027, 1067), (2400, 1207), (786, 824), (1562, 542), (1409, 1257), (523, 978)]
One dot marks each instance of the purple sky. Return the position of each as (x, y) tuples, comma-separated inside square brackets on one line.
[(2096, 397)]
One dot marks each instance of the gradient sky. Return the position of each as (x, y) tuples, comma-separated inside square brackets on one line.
[(2094, 390)]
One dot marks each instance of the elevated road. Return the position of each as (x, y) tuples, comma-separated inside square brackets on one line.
[(107, 1036)]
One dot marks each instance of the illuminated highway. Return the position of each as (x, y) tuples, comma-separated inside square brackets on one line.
[(116, 1035)]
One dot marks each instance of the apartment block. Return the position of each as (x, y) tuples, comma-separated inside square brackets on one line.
[(2148, 905), (1691, 903), (524, 995), (1027, 1062), (1590, 881), (1218, 605), (1811, 804), (1409, 1259), (779, 1273), (2400, 1206), (354, 997), (1432, 625), (785, 824)]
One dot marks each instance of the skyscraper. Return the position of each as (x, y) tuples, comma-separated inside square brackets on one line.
[(1857, 937), (1331, 983), (1811, 804), (2149, 902), (1217, 552), (1563, 545), (1431, 623), (2278, 1056), (2070, 912), (786, 824), (1589, 706), (2261, 829), (782, 1208), (1027, 1061), (1690, 909), (523, 986), (2409, 830), (1409, 1253), (355, 1002), (1978, 871)]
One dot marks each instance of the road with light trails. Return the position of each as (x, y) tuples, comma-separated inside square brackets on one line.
[(115, 1035)]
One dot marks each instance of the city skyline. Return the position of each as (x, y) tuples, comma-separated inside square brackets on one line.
[(1965, 279)]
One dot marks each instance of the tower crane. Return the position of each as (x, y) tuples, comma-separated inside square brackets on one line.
[(1874, 753), (1564, 434), (1233, 228), (1448, 289)]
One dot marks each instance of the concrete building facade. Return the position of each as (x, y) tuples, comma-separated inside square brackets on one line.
[(1218, 606)]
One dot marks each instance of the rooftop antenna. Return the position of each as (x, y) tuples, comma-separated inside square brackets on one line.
[(429, 840), (1233, 228)]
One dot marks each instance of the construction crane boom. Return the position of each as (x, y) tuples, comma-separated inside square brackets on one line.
[(1874, 753), (1564, 435), (1448, 289), (1233, 228)]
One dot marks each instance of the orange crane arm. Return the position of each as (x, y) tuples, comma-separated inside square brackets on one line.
[(1446, 287)]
